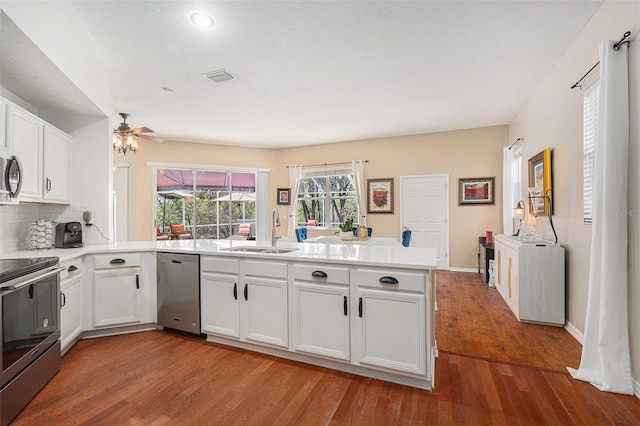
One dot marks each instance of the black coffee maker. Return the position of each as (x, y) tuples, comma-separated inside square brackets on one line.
[(69, 235)]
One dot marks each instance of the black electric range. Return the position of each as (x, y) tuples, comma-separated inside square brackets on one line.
[(14, 268)]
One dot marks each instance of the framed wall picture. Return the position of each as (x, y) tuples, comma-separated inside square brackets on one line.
[(472, 191), (540, 182), (380, 195), (284, 196)]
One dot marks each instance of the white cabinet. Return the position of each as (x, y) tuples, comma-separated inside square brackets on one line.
[(117, 299), (219, 296), (391, 326), (25, 135), (531, 280), (45, 154), (72, 301), (57, 165), (245, 300), (123, 290), (3, 122), (320, 310)]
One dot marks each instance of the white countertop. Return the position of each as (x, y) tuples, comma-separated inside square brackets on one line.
[(351, 254)]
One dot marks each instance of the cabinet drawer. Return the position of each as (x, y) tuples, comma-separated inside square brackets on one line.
[(117, 260), (221, 265), (265, 269), (333, 275), (72, 268), (375, 278)]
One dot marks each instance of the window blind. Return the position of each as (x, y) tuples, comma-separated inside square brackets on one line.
[(590, 129)]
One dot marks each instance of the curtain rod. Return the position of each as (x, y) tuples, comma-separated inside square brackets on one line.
[(519, 139), (616, 47), (328, 164)]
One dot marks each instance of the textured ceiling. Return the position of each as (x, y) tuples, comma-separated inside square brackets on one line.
[(311, 72)]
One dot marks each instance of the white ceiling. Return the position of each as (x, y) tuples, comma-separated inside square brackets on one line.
[(312, 72)]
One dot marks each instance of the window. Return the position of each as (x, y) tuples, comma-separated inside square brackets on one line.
[(324, 196), (590, 127), (210, 204)]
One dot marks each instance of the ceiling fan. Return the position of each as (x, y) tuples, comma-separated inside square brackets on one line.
[(124, 136)]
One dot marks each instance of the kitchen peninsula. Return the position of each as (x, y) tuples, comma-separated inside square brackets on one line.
[(367, 310)]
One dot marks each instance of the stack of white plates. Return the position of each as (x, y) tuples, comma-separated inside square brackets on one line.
[(40, 234)]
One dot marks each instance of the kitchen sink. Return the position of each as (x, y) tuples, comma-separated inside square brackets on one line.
[(261, 249)]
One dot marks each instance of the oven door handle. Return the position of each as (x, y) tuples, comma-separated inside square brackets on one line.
[(38, 278)]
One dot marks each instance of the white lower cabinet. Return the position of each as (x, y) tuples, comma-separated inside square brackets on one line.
[(117, 300), (71, 304), (391, 326), (373, 321), (245, 300), (122, 291), (320, 311)]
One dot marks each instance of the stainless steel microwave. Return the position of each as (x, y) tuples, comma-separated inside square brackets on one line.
[(12, 175)]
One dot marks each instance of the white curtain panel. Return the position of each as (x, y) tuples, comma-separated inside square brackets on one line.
[(605, 359), (295, 172), (507, 189), (361, 190)]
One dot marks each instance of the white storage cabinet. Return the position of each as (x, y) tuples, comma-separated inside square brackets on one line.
[(71, 303)]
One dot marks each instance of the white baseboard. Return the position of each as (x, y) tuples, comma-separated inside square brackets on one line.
[(636, 388), (464, 270), (573, 330)]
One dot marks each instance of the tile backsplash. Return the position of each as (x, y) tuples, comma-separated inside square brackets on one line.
[(15, 220)]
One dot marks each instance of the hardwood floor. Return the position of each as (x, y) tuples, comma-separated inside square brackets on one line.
[(491, 370)]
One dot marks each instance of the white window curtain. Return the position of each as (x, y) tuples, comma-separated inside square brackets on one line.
[(605, 361), (511, 184), (295, 172), (358, 177)]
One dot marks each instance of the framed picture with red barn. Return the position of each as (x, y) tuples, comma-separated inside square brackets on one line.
[(473, 191)]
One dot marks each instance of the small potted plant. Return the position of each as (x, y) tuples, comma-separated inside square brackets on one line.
[(346, 229)]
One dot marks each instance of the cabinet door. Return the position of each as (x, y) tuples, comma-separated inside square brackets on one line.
[(71, 311), (321, 320), (57, 152), (25, 135), (266, 311), (392, 330), (117, 299), (3, 123), (220, 296)]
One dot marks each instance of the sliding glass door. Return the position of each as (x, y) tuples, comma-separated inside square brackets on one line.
[(210, 204)]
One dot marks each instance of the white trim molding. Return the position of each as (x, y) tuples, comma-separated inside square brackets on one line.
[(454, 269), (573, 330), (207, 167)]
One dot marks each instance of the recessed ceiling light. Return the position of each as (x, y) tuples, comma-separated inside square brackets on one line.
[(201, 20)]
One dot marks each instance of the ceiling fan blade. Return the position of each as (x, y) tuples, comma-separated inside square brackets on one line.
[(139, 130), (151, 138)]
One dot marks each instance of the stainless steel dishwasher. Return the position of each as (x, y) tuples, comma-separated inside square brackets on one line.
[(179, 291)]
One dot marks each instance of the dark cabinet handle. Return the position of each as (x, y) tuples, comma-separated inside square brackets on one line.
[(176, 261), (246, 292), (31, 291), (117, 261), (345, 306), (388, 280), (138, 282), (64, 299), (319, 274), (235, 291), (72, 268), (360, 308), (48, 185)]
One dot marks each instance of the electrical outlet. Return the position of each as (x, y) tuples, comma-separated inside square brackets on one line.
[(87, 217)]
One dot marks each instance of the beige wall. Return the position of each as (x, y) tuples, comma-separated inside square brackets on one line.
[(463, 153), (553, 117)]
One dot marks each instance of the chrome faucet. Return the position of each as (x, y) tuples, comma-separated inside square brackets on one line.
[(275, 221)]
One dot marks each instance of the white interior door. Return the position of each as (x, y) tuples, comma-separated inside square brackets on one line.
[(424, 206)]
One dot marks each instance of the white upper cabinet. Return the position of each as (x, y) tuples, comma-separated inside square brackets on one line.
[(25, 135), (3, 123), (57, 165), (45, 154)]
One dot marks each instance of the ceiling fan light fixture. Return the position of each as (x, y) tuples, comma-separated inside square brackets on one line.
[(123, 137), (202, 20)]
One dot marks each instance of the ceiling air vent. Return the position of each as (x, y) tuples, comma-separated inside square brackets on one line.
[(220, 75)]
